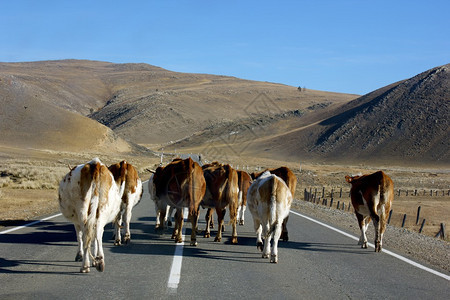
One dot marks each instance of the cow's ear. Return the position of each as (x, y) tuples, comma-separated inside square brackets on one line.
[(348, 179)]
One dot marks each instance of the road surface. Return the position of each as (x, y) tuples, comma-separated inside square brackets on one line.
[(37, 262)]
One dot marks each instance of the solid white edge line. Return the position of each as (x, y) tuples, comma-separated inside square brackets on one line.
[(413, 263), (175, 270), (29, 224)]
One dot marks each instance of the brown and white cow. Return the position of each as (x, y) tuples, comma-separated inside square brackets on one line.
[(372, 197), (221, 191), (269, 200), (179, 184), (291, 181), (244, 182), (130, 184), (89, 197)]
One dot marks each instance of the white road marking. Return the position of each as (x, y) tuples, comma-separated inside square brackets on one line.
[(413, 263), (175, 271), (29, 224)]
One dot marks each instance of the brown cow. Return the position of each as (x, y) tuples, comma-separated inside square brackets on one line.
[(179, 184), (221, 191), (291, 181), (130, 184), (372, 197)]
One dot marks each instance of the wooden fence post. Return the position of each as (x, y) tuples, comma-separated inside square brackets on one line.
[(441, 232), (421, 226), (337, 207), (404, 220), (340, 193), (331, 202), (418, 215), (323, 192)]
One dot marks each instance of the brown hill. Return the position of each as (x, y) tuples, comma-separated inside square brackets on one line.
[(40, 112), (46, 105), (403, 123), (141, 103)]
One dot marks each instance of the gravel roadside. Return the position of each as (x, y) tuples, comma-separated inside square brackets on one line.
[(426, 250)]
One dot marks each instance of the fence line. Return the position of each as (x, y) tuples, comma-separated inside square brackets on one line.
[(327, 198)]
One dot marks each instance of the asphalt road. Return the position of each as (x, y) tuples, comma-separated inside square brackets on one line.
[(37, 262)]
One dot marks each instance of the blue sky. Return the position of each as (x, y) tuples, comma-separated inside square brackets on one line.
[(341, 46)]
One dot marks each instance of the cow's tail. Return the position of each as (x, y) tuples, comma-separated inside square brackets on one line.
[(273, 217), (93, 196), (232, 194)]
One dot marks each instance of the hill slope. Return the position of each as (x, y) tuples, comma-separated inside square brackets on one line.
[(146, 104), (34, 114), (404, 122)]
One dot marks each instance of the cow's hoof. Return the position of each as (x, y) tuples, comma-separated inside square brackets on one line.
[(100, 266), (79, 256), (364, 245), (194, 243), (99, 263), (241, 222), (265, 255), (377, 247), (260, 246), (85, 270), (217, 239), (207, 235), (117, 243), (234, 240), (273, 259)]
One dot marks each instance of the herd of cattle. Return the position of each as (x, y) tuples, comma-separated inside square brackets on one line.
[(92, 195)]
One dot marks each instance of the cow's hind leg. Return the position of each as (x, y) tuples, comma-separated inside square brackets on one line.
[(208, 219), (160, 218), (118, 227), (284, 233), (220, 217), (99, 261), (193, 216), (79, 256), (376, 224), (363, 224), (268, 236), (177, 231), (258, 230), (276, 237), (127, 237)]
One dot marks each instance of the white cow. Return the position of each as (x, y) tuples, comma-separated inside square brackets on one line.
[(89, 197), (128, 179), (269, 200)]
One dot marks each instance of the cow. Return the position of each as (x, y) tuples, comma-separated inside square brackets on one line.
[(126, 176), (179, 184), (221, 191), (244, 182), (269, 200), (291, 181), (372, 196), (89, 197)]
